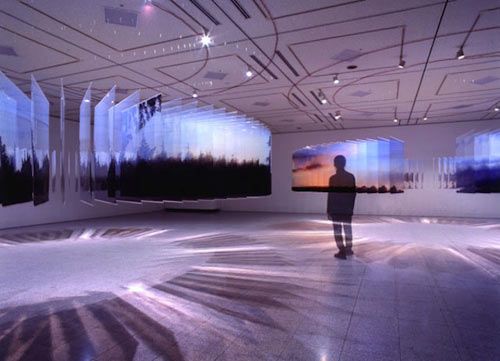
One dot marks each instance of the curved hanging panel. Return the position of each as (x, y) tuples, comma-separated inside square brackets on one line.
[(40, 138), (105, 164), (85, 167), (16, 169)]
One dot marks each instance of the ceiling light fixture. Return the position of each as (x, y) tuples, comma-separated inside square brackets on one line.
[(401, 64), (496, 108), (395, 120), (337, 115), (460, 53), (425, 117), (249, 73), (195, 94), (206, 40), (322, 97), (336, 79)]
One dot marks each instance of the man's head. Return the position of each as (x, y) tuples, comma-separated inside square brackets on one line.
[(339, 162)]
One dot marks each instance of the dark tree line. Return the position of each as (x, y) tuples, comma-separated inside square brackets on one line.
[(16, 186)]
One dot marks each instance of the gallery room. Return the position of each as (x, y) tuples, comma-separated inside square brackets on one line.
[(236, 180)]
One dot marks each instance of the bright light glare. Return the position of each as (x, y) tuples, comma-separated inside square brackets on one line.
[(323, 101), (136, 288), (249, 73), (206, 40)]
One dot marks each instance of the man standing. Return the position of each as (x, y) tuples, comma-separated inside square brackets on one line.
[(340, 205)]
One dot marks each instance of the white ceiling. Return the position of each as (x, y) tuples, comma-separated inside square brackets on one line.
[(300, 44)]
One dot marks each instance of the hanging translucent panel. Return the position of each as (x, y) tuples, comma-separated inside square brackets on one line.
[(40, 126), (16, 168)]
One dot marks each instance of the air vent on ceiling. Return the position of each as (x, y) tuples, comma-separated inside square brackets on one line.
[(318, 117), (486, 80), (347, 55), (7, 50), (287, 63), (462, 106), (213, 75), (298, 99), (263, 66), (360, 93), (261, 104), (205, 12), (241, 9), (120, 17)]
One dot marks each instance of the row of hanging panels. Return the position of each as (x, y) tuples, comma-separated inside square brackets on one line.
[(154, 150), (377, 165), (24, 144)]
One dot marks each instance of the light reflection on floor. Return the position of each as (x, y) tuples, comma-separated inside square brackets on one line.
[(243, 286)]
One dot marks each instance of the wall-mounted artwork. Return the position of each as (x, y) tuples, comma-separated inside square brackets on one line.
[(16, 178), (40, 143), (377, 164)]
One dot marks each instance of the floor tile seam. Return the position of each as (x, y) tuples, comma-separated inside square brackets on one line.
[(351, 316), (444, 313)]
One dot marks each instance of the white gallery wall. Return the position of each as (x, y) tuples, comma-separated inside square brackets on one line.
[(422, 142), (54, 210)]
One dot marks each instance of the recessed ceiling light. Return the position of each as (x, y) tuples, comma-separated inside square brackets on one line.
[(395, 120), (195, 94), (249, 73), (497, 109), (460, 54), (425, 117), (336, 79), (401, 64), (206, 40)]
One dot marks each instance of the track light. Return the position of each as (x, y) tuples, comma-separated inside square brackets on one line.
[(337, 115), (322, 97), (206, 40), (249, 73), (402, 63), (460, 53), (195, 94), (336, 79)]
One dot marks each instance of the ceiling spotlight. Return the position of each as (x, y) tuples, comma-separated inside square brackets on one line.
[(425, 117), (206, 40), (249, 73), (395, 120), (195, 94), (336, 79), (402, 64), (460, 53), (322, 97), (337, 115), (496, 108)]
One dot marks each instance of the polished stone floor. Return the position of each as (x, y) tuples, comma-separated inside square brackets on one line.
[(249, 286)]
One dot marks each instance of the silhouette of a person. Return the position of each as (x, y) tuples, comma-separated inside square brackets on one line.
[(340, 205)]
